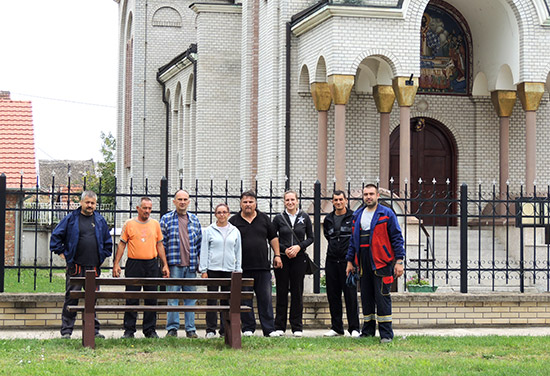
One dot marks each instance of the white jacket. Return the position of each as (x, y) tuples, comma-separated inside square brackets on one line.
[(219, 254)]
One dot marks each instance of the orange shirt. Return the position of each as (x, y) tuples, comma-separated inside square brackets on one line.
[(141, 238)]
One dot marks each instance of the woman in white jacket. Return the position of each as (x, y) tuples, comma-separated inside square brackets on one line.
[(220, 255)]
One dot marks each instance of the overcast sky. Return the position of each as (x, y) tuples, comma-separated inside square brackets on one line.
[(62, 55)]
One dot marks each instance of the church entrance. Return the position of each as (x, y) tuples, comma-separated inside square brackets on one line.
[(433, 156)]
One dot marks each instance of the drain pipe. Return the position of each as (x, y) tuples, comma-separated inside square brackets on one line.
[(287, 107), (167, 126)]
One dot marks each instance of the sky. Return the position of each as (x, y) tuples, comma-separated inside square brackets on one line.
[(63, 56)]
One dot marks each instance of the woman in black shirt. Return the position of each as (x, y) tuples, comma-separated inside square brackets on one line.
[(295, 235)]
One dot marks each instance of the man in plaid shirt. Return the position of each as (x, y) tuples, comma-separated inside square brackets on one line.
[(182, 241)]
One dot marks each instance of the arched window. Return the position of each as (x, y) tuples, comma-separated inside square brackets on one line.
[(445, 51)]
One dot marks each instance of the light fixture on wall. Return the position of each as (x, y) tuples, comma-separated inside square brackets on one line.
[(422, 105)]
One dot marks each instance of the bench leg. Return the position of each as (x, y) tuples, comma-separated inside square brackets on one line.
[(88, 330), (233, 330)]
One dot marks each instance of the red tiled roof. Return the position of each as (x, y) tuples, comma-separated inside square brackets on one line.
[(17, 143)]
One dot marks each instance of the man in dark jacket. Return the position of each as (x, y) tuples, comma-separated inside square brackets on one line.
[(82, 238), (377, 244), (337, 230)]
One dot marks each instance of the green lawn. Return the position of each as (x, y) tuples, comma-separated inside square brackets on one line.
[(415, 355), (25, 282)]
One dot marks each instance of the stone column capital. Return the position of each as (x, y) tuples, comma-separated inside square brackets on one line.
[(530, 94), (503, 102), (404, 91), (320, 92), (384, 96), (340, 87)]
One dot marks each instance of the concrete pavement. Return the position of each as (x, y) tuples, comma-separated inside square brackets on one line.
[(110, 333)]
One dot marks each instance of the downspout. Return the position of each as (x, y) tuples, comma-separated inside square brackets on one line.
[(287, 108), (167, 143)]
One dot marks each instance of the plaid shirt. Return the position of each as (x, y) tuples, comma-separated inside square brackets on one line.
[(169, 226)]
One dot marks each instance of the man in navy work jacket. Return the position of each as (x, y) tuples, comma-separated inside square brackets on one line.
[(376, 245), (82, 238)]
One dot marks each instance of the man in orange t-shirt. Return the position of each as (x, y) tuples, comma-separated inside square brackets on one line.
[(143, 237)]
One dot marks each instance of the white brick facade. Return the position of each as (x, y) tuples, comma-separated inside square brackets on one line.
[(210, 130)]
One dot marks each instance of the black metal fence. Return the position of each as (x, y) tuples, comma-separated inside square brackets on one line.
[(460, 240)]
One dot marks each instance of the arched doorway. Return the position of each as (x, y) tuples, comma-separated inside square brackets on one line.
[(433, 156)]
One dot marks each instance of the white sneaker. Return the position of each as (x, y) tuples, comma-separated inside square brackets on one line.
[(274, 334), (248, 333), (210, 335), (355, 334), (298, 333), (280, 333), (331, 333)]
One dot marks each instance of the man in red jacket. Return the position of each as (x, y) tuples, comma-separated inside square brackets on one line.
[(377, 245)]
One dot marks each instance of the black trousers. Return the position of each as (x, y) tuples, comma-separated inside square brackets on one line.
[(68, 318), (146, 269), (376, 300), (212, 317), (290, 278), (335, 273)]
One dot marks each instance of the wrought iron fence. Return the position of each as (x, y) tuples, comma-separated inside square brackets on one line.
[(470, 239)]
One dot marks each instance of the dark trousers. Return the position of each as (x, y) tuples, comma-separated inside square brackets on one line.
[(68, 318), (212, 317), (376, 301), (335, 273), (290, 278), (146, 269), (262, 290)]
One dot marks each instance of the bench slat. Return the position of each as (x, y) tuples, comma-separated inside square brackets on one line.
[(143, 308), (162, 281), (161, 295)]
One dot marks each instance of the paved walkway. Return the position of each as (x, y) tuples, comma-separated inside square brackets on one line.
[(110, 333)]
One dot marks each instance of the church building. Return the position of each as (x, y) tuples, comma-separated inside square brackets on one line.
[(408, 91)]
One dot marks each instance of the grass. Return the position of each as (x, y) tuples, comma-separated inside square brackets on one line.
[(415, 355), (25, 282)]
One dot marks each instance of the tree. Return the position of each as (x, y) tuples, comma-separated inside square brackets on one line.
[(105, 171)]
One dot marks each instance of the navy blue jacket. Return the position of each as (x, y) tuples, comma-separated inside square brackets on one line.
[(64, 237)]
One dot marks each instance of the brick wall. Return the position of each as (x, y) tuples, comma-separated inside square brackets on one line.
[(9, 243), (410, 310)]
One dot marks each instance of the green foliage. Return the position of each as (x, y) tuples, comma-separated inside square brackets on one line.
[(15, 283), (417, 280), (414, 355), (105, 171)]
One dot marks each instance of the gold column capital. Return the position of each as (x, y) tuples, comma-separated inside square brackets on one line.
[(384, 96), (530, 94), (503, 102), (340, 87), (405, 93), (320, 92)]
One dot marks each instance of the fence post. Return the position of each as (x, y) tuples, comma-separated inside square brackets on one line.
[(163, 196), (2, 228), (317, 235), (464, 238)]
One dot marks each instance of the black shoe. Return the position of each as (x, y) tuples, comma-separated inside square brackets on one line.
[(192, 334), (99, 335), (151, 334), (128, 335), (66, 336), (172, 333)]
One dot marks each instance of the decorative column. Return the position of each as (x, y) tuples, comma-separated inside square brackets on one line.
[(405, 92), (320, 93), (504, 101), (384, 97), (530, 94), (340, 90)]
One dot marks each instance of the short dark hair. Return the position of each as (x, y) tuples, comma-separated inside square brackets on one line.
[(370, 185), (338, 192), (181, 190), (249, 193)]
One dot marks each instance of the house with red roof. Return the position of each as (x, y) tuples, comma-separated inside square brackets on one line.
[(17, 159)]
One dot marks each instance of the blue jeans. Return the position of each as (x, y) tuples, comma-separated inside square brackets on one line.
[(173, 318), (262, 289)]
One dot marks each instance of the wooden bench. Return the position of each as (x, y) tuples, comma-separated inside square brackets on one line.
[(231, 312)]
